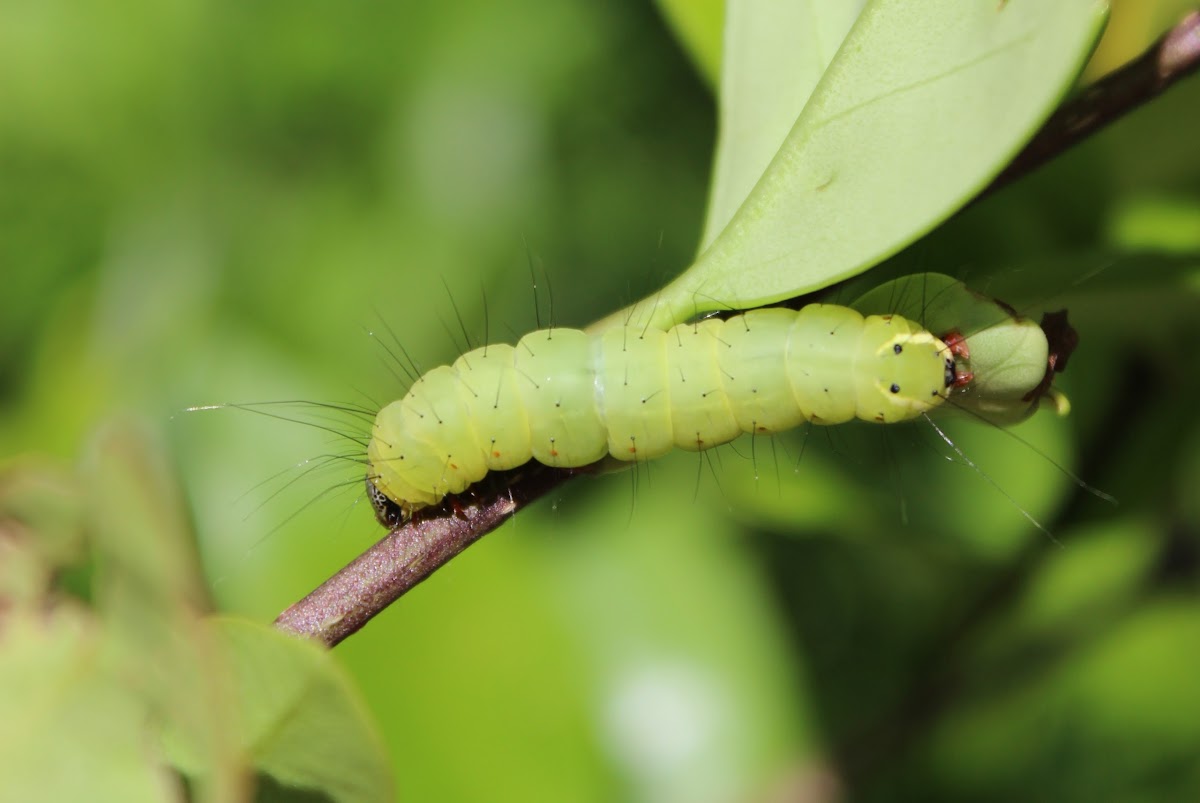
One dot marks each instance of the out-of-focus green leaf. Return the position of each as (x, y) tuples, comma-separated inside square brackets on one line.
[(774, 55), (1079, 588), (697, 25), (73, 729), (92, 691), (684, 648), (42, 497), (90, 687), (1188, 479), (1170, 225), (281, 705), (139, 528), (41, 532), (1128, 695), (149, 596), (917, 112), (994, 483), (300, 721), (901, 486), (1097, 567)]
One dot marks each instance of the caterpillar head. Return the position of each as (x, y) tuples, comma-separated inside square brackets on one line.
[(1004, 364), (908, 373)]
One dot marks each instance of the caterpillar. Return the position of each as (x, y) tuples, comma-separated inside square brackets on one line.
[(569, 399)]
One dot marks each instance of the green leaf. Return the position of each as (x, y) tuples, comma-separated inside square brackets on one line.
[(697, 25), (150, 599), (94, 690), (89, 689), (1126, 689), (918, 111), (775, 53), (301, 720), (687, 662), (73, 729)]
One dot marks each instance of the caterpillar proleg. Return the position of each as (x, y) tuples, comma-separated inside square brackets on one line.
[(569, 399)]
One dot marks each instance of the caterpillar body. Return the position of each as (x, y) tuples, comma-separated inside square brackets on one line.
[(567, 398)]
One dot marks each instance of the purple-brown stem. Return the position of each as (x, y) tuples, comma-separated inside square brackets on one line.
[(405, 557)]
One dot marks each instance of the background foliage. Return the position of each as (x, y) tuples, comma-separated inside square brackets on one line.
[(213, 202)]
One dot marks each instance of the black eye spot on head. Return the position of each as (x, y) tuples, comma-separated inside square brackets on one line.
[(896, 349), (895, 388)]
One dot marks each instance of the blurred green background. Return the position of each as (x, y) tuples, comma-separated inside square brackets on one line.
[(217, 202)]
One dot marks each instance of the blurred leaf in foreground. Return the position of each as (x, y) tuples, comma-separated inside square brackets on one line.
[(89, 679)]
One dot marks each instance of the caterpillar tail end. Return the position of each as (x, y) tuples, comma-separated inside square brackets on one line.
[(388, 513)]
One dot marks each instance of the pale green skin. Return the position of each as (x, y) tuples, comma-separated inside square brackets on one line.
[(569, 399)]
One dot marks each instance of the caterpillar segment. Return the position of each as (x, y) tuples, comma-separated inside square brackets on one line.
[(568, 399)]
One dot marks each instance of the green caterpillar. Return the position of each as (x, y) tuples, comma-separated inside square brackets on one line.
[(567, 398)]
